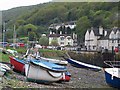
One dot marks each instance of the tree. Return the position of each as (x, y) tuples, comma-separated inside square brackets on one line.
[(82, 25), (54, 43), (30, 26), (44, 41)]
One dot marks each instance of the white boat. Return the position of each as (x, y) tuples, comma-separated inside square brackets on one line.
[(60, 62), (43, 71), (83, 65), (112, 74), (4, 66), (2, 71)]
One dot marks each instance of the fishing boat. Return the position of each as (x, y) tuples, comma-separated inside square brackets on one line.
[(43, 71), (82, 65), (56, 61), (17, 64), (112, 74)]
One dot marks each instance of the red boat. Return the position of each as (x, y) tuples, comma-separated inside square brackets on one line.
[(18, 65)]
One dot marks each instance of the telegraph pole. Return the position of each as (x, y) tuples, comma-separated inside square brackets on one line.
[(14, 37)]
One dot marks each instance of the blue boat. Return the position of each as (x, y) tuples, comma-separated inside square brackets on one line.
[(82, 65), (112, 74), (43, 71)]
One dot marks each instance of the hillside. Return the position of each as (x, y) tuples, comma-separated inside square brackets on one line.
[(86, 14)]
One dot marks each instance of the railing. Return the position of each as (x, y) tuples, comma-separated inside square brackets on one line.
[(113, 63)]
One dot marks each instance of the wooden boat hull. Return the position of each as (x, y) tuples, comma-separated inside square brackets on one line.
[(83, 65), (39, 74), (17, 64), (60, 62), (112, 76)]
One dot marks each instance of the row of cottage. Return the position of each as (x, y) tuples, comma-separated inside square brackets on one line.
[(99, 38), (95, 38)]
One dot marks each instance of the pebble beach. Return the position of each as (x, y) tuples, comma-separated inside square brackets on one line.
[(80, 78)]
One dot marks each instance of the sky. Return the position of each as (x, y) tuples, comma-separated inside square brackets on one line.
[(8, 4)]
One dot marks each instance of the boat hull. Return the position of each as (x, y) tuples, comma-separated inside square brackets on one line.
[(17, 64), (2, 71), (83, 65), (111, 79), (39, 74), (66, 77)]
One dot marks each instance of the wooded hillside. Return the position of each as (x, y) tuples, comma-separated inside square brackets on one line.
[(92, 14)]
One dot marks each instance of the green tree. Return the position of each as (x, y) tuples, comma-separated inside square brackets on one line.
[(54, 43), (44, 41), (30, 27), (82, 25)]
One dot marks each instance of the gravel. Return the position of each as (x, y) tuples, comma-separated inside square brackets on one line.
[(80, 78)]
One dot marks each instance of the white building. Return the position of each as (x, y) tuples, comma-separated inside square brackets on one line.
[(99, 38), (63, 39), (70, 24)]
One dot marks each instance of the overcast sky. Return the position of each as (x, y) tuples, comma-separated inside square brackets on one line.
[(8, 4)]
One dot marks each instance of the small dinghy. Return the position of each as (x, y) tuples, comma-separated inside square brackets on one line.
[(43, 71)]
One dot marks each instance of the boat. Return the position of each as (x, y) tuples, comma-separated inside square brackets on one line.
[(4, 66), (82, 65), (43, 71), (112, 73), (56, 61), (2, 71), (17, 64)]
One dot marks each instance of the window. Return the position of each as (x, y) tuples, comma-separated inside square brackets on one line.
[(62, 38), (94, 47), (61, 42)]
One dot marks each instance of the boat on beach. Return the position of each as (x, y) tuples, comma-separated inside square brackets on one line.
[(2, 71), (112, 74), (56, 61), (43, 71), (17, 64), (82, 65)]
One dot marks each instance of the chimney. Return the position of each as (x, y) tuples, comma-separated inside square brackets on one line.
[(105, 33), (60, 32), (50, 32), (100, 30)]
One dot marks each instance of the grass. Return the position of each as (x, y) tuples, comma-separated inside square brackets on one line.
[(56, 54)]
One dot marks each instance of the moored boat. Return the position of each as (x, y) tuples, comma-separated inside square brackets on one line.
[(43, 71), (82, 65)]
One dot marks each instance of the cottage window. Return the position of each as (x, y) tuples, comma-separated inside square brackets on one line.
[(62, 38), (94, 47), (61, 42)]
